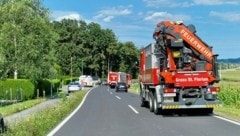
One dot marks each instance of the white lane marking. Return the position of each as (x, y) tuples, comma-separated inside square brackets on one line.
[(118, 97), (66, 119), (228, 120), (133, 109), (111, 93)]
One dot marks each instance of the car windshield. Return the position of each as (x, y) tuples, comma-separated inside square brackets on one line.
[(121, 83), (73, 83), (95, 78)]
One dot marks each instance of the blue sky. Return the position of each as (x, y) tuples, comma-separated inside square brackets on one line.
[(217, 21)]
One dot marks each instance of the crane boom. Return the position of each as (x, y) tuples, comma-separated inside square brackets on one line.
[(178, 31)]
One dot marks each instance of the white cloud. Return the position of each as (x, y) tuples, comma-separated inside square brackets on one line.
[(215, 2), (108, 18), (59, 15), (187, 3), (227, 16), (69, 16), (167, 3), (159, 16), (108, 14)]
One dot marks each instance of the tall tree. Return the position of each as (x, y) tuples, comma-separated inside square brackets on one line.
[(88, 45), (70, 48), (129, 55), (27, 38)]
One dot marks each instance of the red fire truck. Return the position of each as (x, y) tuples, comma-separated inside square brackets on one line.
[(178, 71), (115, 77)]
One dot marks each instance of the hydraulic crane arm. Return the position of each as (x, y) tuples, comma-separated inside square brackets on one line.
[(179, 32)]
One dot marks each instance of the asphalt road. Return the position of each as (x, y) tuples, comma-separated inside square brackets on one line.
[(109, 113)]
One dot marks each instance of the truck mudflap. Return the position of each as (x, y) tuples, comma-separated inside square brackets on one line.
[(177, 106)]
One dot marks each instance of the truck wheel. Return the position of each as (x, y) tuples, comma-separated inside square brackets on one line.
[(157, 110), (151, 102), (143, 103)]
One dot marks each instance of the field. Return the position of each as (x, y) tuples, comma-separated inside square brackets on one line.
[(229, 94), (230, 75)]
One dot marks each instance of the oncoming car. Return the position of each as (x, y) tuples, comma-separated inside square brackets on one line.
[(74, 86)]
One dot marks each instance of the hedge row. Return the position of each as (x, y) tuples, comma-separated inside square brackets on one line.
[(46, 87), (67, 79), (23, 89), (16, 89)]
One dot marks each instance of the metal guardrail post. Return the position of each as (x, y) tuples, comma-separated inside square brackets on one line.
[(2, 125)]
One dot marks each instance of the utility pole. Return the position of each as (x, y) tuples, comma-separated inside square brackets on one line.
[(108, 64), (71, 69), (15, 55), (82, 67)]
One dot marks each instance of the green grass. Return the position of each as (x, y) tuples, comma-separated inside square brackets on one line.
[(134, 88), (11, 109), (229, 94), (44, 121), (228, 112)]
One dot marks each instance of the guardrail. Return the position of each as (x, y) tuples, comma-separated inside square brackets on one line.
[(2, 125)]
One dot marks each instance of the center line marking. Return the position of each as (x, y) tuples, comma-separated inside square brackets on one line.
[(133, 109), (118, 97), (111, 93)]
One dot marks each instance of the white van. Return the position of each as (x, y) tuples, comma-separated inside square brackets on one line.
[(87, 80)]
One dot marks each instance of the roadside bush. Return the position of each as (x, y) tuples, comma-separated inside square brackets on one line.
[(46, 85), (67, 79), (16, 89)]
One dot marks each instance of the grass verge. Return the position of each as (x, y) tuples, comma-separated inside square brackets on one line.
[(134, 88), (14, 108), (228, 112), (44, 121)]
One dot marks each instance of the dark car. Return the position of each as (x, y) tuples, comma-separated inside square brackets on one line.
[(121, 86), (104, 82)]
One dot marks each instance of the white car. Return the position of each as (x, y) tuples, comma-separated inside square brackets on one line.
[(74, 86)]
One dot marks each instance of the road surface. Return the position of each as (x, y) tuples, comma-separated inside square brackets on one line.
[(109, 113)]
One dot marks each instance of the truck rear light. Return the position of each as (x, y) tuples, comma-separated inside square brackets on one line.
[(169, 90), (214, 89)]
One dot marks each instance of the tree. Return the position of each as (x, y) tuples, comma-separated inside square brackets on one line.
[(129, 55), (27, 38), (71, 45), (88, 45)]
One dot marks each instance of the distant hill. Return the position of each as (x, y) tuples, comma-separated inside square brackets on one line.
[(231, 60)]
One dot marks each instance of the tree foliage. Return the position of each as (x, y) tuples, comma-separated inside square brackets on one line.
[(93, 50), (27, 38), (36, 47)]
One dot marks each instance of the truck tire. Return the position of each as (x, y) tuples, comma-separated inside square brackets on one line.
[(143, 103), (156, 110), (151, 102)]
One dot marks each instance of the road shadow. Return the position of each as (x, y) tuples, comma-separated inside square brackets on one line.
[(186, 112)]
